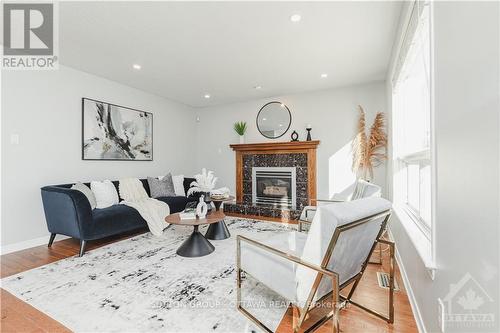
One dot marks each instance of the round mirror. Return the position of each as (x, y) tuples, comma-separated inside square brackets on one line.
[(274, 120)]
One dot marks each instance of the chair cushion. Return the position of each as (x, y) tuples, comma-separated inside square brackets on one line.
[(112, 220), (176, 204), (358, 190), (365, 189), (273, 271), (352, 247)]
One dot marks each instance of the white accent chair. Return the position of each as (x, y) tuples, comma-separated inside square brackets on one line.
[(309, 267), (357, 190)]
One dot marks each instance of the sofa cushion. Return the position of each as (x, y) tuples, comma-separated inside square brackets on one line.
[(176, 204), (179, 185), (105, 193), (88, 193), (112, 220), (163, 187)]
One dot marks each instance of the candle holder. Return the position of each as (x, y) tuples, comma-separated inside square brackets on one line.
[(308, 133)]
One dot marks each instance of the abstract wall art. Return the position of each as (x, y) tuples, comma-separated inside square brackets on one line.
[(113, 132)]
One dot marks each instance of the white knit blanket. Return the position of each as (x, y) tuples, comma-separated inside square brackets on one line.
[(153, 211)]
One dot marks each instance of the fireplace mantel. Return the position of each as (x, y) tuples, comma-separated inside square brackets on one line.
[(275, 146), (298, 153)]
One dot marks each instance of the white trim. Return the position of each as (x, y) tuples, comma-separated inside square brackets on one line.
[(433, 146), (409, 291), (9, 248), (419, 156), (419, 240)]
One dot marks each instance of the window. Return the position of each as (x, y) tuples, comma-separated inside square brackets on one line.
[(412, 121)]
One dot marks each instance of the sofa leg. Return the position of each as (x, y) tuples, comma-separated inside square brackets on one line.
[(82, 247), (51, 239)]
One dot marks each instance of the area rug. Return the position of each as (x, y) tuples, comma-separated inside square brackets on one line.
[(140, 284)]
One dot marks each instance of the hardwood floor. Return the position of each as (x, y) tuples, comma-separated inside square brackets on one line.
[(18, 316), (368, 293)]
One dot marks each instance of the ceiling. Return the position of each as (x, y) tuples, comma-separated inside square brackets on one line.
[(225, 49)]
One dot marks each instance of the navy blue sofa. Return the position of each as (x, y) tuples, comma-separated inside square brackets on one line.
[(68, 212)]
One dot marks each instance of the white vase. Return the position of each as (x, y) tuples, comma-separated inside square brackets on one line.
[(201, 208), (242, 139)]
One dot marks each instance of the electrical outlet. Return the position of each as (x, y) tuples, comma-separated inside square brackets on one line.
[(14, 139), (441, 315)]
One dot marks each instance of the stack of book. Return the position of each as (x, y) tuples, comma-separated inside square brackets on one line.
[(187, 214), (219, 196)]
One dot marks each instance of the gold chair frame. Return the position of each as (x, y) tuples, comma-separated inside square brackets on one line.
[(323, 271)]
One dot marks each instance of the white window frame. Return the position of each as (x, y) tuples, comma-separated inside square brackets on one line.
[(420, 158), (421, 234)]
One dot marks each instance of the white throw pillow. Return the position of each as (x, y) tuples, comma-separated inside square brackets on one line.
[(179, 185), (105, 193), (88, 193)]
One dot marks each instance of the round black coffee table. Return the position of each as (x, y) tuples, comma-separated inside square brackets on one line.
[(197, 245)]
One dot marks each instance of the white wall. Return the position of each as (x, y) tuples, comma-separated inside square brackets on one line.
[(332, 113), (44, 108), (466, 62)]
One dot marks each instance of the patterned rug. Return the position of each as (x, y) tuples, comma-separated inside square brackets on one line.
[(141, 284)]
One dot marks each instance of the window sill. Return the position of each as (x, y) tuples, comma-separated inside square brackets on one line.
[(421, 243)]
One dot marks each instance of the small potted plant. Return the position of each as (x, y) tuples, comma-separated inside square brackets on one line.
[(240, 127)]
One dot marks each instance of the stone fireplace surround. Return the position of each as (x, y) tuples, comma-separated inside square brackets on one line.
[(299, 154)]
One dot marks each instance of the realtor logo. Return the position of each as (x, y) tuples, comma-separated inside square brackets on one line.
[(468, 305), (29, 35)]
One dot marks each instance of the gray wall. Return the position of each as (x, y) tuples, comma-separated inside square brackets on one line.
[(332, 113), (467, 124), (44, 109)]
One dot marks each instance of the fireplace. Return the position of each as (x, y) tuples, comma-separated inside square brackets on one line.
[(274, 180), (274, 186)]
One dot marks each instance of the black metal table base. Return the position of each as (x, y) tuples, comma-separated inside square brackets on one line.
[(217, 231), (195, 246)]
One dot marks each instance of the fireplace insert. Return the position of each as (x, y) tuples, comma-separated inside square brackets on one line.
[(275, 186)]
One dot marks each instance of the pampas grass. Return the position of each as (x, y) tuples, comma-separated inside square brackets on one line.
[(205, 182), (369, 151)]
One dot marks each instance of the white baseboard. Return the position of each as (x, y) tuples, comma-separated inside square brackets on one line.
[(29, 244), (411, 296)]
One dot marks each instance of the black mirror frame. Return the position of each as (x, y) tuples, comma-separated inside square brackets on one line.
[(289, 123)]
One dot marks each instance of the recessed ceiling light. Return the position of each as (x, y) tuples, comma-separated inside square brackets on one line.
[(257, 87), (264, 118), (207, 96), (295, 18), (281, 125), (324, 75), (136, 66), (282, 105)]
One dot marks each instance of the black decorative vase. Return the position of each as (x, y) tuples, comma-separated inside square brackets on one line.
[(308, 134)]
